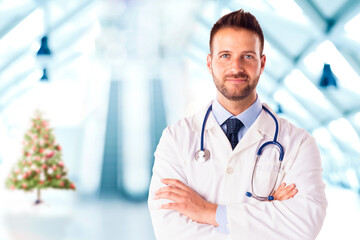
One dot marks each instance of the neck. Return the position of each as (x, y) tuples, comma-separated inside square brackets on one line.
[(235, 107)]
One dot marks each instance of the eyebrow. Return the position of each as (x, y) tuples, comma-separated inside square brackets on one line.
[(224, 51), (228, 51), (249, 52)]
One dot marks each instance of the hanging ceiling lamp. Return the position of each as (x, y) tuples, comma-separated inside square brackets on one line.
[(44, 77), (328, 78), (43, 56), (44, 48)]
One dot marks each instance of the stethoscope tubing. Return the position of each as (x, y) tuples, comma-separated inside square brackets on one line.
[(203, 128), (258, 153)]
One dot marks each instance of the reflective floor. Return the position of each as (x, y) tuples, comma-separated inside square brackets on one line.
[(83, 220), (114, 219)]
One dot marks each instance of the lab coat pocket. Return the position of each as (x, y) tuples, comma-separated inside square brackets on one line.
[(265, 176), (264, 181), (204, 177)]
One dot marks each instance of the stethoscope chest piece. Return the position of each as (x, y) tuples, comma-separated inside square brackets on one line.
[(202, 155)]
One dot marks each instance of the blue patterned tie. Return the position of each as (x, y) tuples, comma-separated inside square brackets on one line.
[(233, 127)]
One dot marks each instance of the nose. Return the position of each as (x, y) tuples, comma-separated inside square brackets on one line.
[(236, 66)]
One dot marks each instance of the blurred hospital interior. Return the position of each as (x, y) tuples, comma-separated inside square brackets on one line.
[(109, 75)]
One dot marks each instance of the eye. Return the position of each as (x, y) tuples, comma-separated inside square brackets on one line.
[(225, 55), (248, 56)]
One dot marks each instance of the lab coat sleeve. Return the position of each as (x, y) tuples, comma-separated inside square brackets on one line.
[(170, 224), (298, 218)]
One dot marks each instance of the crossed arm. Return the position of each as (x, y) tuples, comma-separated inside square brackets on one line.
[(184, 214), (189, 203)]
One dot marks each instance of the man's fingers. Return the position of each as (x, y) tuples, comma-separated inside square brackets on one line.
[(282, 186), (293, 193), (289, 188), (173, 206), (169, 189), (174, 191), (169, 195), (285, 193), (168, 206), (289, 194), (278, 191), (174, 182)]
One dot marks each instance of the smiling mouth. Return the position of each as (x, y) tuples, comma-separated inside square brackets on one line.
[(236, 80)]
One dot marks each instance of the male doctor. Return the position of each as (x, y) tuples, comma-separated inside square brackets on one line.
[(224, 196)]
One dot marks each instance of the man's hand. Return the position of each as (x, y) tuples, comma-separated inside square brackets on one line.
[(284, 193), (187, 202), (192, 205)]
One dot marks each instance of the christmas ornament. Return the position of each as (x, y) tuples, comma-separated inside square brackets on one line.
[(50, 171), (50, 154), (42, 177)]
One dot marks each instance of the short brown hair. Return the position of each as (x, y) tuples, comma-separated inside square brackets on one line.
[(238, 19)]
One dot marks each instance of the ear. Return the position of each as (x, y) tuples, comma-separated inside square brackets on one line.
[(208, 63), (262, 61)]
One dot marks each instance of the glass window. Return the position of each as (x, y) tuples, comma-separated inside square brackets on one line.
[(289, 9), (295, 109), (344, 131), (352, 28), (347, 77), (299, 85)]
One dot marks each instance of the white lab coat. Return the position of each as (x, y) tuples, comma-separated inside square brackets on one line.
[(226, 177)]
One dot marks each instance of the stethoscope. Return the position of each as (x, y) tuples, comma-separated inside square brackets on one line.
[(203, 154)]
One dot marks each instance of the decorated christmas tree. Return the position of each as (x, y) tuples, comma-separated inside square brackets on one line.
[(40, 165)]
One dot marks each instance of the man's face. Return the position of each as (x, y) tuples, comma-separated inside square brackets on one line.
[(236, 63)]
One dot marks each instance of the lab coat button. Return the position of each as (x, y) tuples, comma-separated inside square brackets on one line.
[(230, 170)]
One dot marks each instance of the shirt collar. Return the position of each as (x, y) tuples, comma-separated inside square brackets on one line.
[(247, 117)]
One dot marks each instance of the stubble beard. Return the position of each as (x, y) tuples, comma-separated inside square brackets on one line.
[(241, 93)]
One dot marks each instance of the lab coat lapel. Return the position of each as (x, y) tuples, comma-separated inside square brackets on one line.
[(263, 127), (199, 119), (215, 137), (219, 141)]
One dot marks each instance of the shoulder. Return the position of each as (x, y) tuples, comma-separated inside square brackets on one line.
[(176, 139), (188, 125), (295, 137), (181, 128), (182, 124), (290, 129), (287, 131)]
